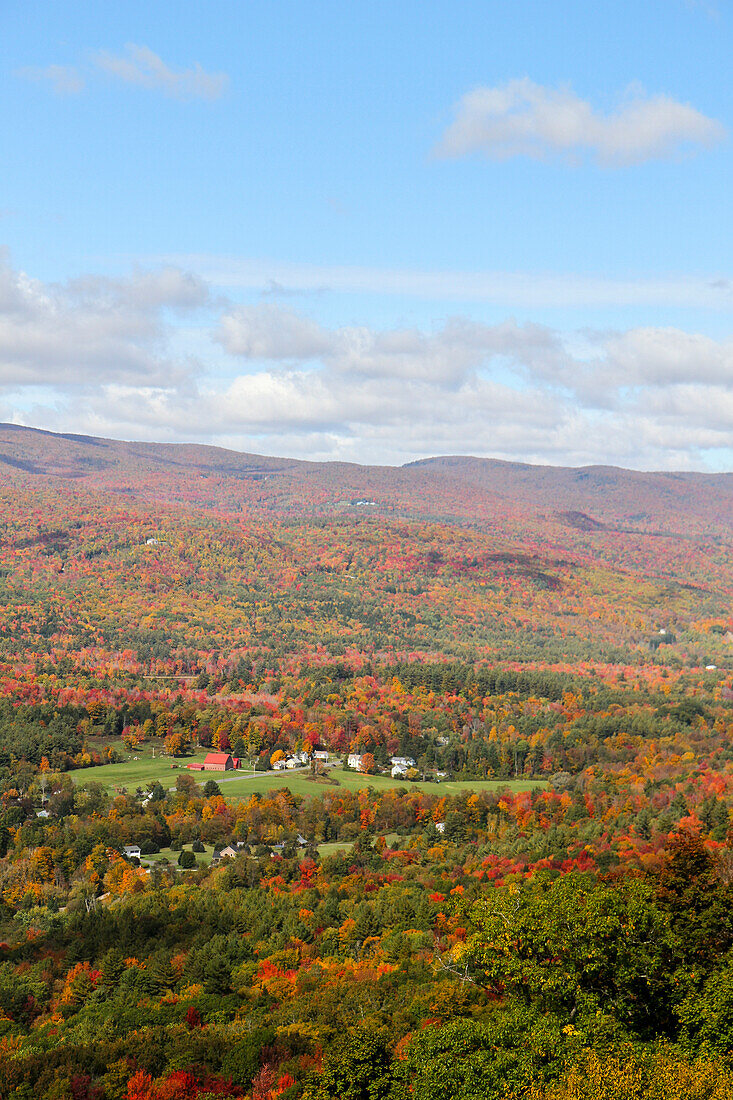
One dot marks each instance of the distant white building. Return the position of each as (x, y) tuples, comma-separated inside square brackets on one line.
[(402, 762), (152, 542), (131, 851), (440, 826), (354, 760), (228, 852), (279, 765), (320, 754)]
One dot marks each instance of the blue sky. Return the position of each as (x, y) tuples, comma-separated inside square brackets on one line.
[(372, 231)]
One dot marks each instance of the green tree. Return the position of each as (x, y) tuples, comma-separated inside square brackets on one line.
[(357, 1066), (576, 946)]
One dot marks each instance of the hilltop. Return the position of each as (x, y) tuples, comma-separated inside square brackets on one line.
[(588, 499)]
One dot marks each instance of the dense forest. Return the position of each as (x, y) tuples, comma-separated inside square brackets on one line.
[(536, 903)]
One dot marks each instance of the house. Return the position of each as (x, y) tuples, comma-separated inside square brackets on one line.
[(292, 762), (354, 760), (440, 826), (226, 853), (131, 851), (42, 813), (279, 765), (321, 754), (218, 762), (401, 765), (151, 542)]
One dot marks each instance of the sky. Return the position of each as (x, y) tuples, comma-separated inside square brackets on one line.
[(372, 231)]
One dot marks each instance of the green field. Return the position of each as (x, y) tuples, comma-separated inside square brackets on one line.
[(138, 773)]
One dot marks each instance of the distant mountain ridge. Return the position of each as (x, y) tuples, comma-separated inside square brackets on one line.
[(587, 498)]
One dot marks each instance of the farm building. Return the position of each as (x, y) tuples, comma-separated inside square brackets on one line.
[(218, 762)]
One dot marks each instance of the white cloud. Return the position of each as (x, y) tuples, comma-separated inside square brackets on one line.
[(64, 79), (91, 331), (96, 355), (268, 332), (145, 69), (522, 118)]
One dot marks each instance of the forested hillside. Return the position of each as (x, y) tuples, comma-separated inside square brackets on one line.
[(534, 901)]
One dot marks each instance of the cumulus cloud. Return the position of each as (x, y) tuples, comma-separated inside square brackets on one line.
[(269, 332), (90, 331), (522, 118), (64, 79), (96, 355), (140, 66)]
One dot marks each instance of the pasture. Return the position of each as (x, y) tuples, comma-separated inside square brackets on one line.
[(145, 769)]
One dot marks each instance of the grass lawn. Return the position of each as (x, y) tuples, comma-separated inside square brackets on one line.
[(144, 770), (172, 857), (141, 771)]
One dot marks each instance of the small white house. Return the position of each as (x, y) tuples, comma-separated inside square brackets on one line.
[(354, 760), (292, 762), (321, 754), (131, 851), (42, 813), (398, 770), (440, 826), (152, 542), (402, 762), (279, 765)]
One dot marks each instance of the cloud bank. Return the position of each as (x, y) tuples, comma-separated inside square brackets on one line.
[(522, 118), (103, 356)]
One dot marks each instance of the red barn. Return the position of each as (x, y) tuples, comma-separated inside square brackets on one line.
[(218, 762)]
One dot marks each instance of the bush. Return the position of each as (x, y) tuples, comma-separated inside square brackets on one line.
[(187, 860)]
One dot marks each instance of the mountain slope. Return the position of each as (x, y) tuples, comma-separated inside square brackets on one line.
[(587, 498)]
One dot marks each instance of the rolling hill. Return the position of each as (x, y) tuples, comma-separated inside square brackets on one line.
[(586, 499)]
